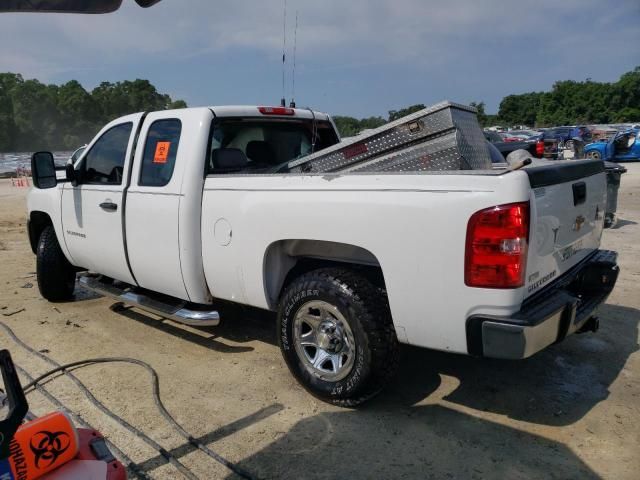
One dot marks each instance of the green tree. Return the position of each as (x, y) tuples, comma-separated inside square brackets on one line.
[(571, 102), (177, 104), (403, 112), (38, 116), (347, 126), (482, 115)]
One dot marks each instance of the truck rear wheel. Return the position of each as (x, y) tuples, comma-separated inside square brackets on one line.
[(336, 335), (56, 276)]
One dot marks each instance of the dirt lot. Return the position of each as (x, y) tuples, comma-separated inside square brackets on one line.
[(572, 411)]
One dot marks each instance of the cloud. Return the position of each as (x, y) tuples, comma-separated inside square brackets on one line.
[(489, 41)]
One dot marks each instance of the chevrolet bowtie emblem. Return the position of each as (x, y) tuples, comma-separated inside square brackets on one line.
[(578, 223)]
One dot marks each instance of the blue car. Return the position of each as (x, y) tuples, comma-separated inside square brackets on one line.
[(622, 146), (563, 134)]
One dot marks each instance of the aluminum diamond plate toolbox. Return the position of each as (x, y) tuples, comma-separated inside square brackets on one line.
[(445, 136)]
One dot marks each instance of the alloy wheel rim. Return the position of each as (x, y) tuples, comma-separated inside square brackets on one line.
[(324, 341)]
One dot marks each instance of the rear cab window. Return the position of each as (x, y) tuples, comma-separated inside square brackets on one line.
[(160, 152), (265, 144)]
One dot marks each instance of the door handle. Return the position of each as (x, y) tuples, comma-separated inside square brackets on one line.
[(109, 206)]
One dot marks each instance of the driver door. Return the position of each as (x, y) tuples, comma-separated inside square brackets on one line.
[(610, 149), (92, 211), (631, 147)]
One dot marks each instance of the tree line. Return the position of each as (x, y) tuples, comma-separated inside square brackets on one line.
[(349, 126), (568, 103), (36, 116)]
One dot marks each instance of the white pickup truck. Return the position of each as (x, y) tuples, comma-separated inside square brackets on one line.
[(170, 211)]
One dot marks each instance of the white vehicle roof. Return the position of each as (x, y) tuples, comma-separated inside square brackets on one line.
[(252, 111), (249, 111)]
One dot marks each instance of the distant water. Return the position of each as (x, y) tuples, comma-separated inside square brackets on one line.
[(11, 162)]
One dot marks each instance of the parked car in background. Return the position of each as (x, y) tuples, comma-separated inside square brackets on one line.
[(527, 134), (562, 134), (554, 140), (622, 146), (506, 147), (603, 132), (508, 137)]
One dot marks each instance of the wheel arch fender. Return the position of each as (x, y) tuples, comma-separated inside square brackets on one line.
[(600, 148), (38, 221), (285, 259)]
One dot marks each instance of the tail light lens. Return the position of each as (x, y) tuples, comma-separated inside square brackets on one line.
[(496, 248), (539, 148)]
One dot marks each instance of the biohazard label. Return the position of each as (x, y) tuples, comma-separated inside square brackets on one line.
[(18, 461), (162, 152)]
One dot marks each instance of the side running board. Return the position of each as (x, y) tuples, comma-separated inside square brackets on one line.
[(167, 307)]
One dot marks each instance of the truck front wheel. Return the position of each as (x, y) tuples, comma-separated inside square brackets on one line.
[(336, 335), (56, 276)]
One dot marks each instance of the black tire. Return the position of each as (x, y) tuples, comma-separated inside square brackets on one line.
[(56, 276), (365, 309), (594, 155)]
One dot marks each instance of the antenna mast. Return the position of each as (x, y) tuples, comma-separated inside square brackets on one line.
[(293, 75), (283, 102)]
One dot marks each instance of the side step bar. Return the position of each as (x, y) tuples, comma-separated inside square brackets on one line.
[(175, 310)]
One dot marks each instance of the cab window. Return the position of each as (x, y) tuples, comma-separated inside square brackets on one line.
[(261, 146), (104, 162), (160, 152)]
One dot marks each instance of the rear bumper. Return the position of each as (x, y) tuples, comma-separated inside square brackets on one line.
[(549, 316)]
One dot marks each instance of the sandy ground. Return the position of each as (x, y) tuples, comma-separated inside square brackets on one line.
[(572, 411)]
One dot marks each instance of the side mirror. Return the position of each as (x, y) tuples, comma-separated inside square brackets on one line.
[(43, 170), (71, 174)]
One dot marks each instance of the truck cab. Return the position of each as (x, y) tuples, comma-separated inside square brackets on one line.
[(124, 210)]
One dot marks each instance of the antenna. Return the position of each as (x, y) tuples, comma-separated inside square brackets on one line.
[(293, 74), (283, 102)]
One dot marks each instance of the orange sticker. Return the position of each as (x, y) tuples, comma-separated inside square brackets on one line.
[(162, 152)]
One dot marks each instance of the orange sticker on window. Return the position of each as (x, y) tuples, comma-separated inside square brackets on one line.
[(162, 152)]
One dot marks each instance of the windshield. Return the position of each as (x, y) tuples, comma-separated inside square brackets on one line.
[(270, 143)]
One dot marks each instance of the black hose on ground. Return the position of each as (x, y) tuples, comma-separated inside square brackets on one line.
[(128, 463), (35, 383)]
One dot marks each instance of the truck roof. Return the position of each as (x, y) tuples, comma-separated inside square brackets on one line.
[(253, 111)]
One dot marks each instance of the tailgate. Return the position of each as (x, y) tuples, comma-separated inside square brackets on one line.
[(567, 218)]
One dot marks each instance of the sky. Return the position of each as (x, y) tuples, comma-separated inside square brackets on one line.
[(353, 57)]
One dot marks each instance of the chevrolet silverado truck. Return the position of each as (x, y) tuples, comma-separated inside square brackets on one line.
[(173, 211)]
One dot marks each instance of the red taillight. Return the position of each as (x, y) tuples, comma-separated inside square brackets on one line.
[(276, 111), (540, 148), (496, 249)]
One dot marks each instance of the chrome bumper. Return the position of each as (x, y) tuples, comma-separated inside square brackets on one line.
[(548, 317)]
